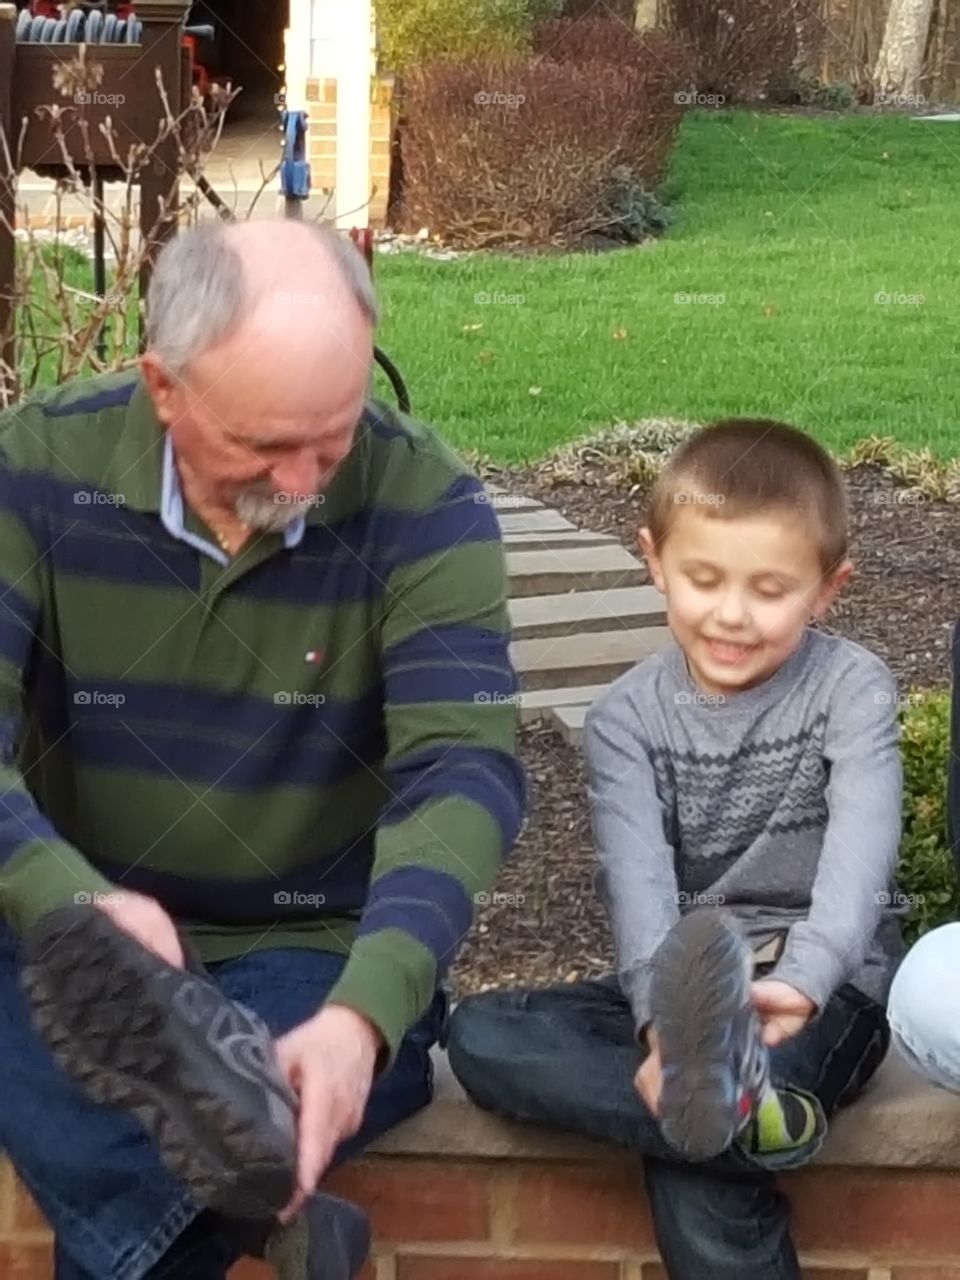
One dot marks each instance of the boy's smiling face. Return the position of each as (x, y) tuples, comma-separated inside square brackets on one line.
[(739, 592)]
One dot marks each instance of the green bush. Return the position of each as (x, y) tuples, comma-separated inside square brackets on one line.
[(802, 88), (926, 873), (414, 33), (835, 96), (629, 210)]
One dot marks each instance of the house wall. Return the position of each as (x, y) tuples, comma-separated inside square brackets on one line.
[(349, 109)]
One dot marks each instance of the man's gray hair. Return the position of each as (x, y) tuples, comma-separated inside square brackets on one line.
[(199, 291)]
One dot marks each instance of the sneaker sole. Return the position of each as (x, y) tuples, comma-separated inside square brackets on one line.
[(198, 1070), (700, 983)]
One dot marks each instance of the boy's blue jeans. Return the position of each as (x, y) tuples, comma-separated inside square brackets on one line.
[(114, 1208), (924, 1008), (566, 1056)]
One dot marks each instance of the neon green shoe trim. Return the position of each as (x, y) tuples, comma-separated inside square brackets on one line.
[(769, 1131)]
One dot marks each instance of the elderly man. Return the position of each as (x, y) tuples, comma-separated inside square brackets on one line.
[(258, 760)]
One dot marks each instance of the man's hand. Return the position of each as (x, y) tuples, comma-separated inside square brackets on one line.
[(648, 1081), (144, 919), (329, 1061), (783, 1010)]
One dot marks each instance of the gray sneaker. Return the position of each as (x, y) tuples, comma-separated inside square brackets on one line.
[(197, 1069), (715, 1065)]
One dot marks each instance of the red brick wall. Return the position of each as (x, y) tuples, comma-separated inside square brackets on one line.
[(523, 1220)]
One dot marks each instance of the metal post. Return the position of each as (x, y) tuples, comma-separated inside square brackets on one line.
[(8, 201), (99, 264), (294, 167)]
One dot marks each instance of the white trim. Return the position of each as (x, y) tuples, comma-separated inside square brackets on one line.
[(296, 55), (354, 43), (323, 37)]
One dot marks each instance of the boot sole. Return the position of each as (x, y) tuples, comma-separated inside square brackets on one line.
[(165, 1044), (700, 983)]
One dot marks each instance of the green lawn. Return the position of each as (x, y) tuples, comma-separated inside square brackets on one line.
[(799, 222)]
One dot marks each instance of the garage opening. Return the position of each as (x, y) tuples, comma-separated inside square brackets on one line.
[(247, 49)]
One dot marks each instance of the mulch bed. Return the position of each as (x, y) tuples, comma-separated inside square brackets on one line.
[(547, 925)]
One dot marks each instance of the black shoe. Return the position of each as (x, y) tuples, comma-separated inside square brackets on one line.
[(714, 1064), (198, 1070), (329, 1240)]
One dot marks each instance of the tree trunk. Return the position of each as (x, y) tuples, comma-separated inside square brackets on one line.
[(646, 15), (900, 63)]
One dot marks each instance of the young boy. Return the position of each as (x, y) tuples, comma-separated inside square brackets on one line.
[(745, 789)]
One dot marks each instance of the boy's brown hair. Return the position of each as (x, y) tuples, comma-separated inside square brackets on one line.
[(752, 466)]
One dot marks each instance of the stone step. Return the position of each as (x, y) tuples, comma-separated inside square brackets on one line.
[(558, 661), (545, 521), (541, 702), (550, 572), (585, 611), (561, 538), (505, 501), (568, 721)]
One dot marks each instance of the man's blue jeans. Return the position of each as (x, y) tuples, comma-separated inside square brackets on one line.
[(114, 1208), (566, 1057)]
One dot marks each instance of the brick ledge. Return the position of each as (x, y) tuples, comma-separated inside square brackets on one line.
[(456, 1194), (899, 1122)]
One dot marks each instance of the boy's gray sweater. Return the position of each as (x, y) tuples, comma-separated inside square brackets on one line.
[(780, 803)]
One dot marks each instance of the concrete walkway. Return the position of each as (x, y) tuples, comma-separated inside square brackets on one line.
[(580, 610), (249, 148)]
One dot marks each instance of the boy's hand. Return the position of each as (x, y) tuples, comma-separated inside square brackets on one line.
[(783, 1010), (648, 1081)]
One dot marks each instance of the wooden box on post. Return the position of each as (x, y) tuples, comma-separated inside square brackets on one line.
[(128, 93)]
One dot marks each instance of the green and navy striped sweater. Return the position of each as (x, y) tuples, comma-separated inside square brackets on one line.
[(312, 745)]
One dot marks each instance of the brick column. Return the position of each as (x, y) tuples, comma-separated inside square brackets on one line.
[(381, 139), (322, 105)]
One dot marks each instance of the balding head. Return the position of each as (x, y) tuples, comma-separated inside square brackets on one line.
[(209, 278), (260, 350)]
